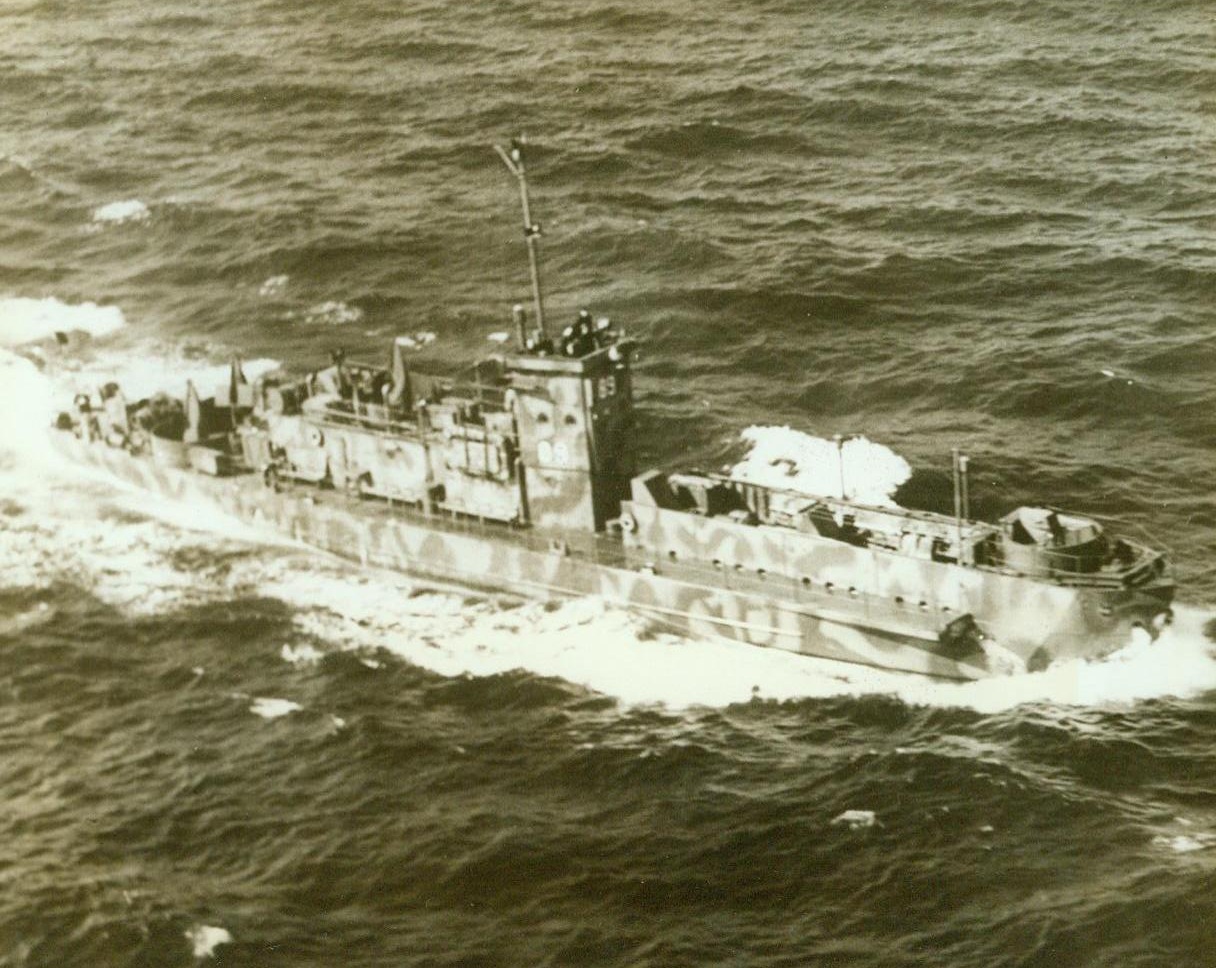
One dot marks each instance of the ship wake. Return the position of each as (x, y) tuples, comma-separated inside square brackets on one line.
[(147, 555)]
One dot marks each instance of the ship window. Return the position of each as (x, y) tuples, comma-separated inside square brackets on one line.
[(899, 599), (828, 586), (852, 591), (806, 582), (738, 567), (923, 605), (717, 562), (571, 420), (760, 572), (671, 555), (542, 417)]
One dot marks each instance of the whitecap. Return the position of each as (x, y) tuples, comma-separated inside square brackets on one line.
[(29, 618), (269, 708), (1184, 843), (128, 210), (301, 654), (273, 286), (205, 938), (26, 320), (785, 458), (415, 341), (145, 374), (856, 819), (333, 313)]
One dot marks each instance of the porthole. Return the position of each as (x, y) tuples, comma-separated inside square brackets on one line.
[(828, 587), (671, 555), (899, 599), (570, 420), (924, 606), (806, 582), (852, 591), (760, 572)]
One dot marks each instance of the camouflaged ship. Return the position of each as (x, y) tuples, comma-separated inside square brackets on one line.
[(518, 475)]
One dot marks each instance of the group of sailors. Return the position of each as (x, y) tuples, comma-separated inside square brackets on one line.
[(580, 338), (360, 384)]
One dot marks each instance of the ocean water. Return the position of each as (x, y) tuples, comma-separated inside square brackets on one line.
[(988, 225)]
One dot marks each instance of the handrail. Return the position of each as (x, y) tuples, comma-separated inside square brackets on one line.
[(916, 514)]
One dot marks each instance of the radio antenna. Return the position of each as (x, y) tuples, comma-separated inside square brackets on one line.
[(514, 160)]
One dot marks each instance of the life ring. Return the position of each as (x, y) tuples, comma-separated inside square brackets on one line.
[(628, 523), (314, 436)]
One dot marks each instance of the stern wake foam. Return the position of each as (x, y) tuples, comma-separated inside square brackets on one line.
[(602, 648)]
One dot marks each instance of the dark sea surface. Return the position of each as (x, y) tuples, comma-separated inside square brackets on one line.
[(989, 225)]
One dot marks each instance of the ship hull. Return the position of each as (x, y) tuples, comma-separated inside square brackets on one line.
[(528, 564)]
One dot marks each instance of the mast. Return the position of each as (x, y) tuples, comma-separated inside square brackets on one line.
[(514, 160), (962, 500)]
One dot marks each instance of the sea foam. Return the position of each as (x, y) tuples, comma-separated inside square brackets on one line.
[(205, 938), (790, 459), (589, 643), (269, 708), (333, 313), (128, 210), (25, 320), (273, 286)]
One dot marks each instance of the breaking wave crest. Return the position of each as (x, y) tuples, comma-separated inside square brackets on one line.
[(855, 467), (25, 320), (127, 210)]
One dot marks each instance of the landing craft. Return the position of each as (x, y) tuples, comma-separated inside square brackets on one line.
[(518, 474)]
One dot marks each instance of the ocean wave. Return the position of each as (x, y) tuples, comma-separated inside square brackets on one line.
[(116, 213), (27, 320), (205, 938), (145, 374), (273, 286), (333, 313), (273, 708), (790, 459), (702, 139)]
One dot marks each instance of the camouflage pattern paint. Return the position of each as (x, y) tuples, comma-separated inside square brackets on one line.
[(1037, 620), (753, 604)]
